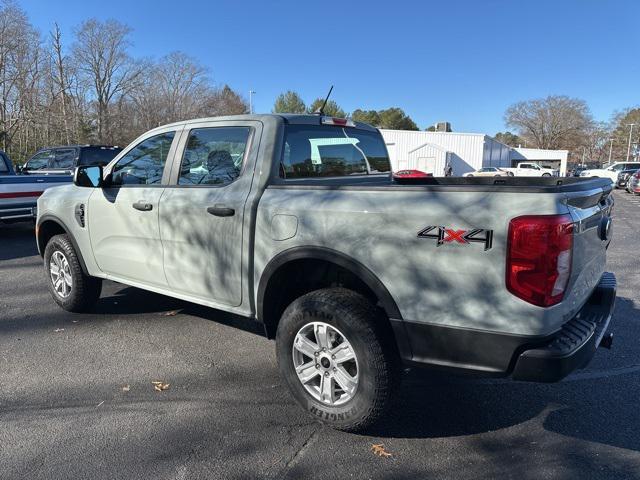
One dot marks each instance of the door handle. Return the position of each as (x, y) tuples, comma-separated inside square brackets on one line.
[(221, 211), (143, 206)]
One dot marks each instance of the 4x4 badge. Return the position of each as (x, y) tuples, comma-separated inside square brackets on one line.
[(449, 235)]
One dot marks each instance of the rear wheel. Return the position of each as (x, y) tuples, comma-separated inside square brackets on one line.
[(336, 359), (69, 286)]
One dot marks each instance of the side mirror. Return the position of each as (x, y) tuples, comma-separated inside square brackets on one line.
[(88, 176)]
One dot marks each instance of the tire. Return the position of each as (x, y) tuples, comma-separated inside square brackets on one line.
[(470, 175), (346, 316), (76, 292)]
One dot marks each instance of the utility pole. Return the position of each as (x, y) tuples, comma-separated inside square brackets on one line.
[(251, 92), (610, 149), (630, 125)]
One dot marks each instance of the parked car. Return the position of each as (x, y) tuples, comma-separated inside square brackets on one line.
[(489, 172), (18, 193), (294, 222), (63, 160), (623, 177), (530, 169), (410, 176), (611, 172), (633, 185)]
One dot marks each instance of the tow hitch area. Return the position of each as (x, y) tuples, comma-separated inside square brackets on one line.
[(607, 341)]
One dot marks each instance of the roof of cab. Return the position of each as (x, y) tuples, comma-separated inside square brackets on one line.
[(290, 118)]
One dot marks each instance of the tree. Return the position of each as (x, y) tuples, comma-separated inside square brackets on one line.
[(331, 109), (289, 102), (371, 117), (553, 122), (20, 72), (60, 80), (101, 52), (620, 130), (509, 139), (395, 119), (226, 102), (392, 118)]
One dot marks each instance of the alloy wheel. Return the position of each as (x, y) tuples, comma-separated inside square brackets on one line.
[(325, 363)]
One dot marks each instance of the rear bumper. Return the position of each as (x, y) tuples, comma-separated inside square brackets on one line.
[(546, 358), (575, 344)]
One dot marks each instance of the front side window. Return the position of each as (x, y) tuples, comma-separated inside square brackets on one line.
[(64, 158), (330, 151), (39, 161), (144, 163), (213, 156)]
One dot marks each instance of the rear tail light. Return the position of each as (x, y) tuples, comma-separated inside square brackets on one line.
[(539, 254)]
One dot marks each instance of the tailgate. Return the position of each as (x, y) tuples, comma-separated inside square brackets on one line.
[(591, 211)]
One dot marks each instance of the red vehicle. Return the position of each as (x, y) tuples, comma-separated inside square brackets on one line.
[(411, 176)]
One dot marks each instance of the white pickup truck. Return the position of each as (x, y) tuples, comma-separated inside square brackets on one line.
[(530, 169), (295, 222)]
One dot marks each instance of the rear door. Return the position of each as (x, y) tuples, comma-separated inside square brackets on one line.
[(123, 219), (203, 210), (64, 159)]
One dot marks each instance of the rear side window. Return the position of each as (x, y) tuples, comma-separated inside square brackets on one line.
[(64, 158), (330, 151), (98, 155), (4, 164), (144, 163), (213, 156), (39, 161)]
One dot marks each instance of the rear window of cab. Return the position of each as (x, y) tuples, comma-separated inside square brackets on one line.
[(312, 151)]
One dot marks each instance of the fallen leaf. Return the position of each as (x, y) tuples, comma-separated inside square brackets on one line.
[(59, 330), (170, 313), (160, 386), (126, 388), (378, 449)]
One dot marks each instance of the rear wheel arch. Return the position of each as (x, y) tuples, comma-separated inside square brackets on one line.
[(281, 282)]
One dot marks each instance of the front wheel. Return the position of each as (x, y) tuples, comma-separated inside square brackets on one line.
[(69, 286), (336, 359)]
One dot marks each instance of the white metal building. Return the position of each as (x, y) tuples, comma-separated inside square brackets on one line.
[(465, 152)]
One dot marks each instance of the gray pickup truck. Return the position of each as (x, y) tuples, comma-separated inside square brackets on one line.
[(295, 222)]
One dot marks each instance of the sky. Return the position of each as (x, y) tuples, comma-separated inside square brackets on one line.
[(459, 61)]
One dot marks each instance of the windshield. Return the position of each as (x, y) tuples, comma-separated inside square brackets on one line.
[(330, 151)]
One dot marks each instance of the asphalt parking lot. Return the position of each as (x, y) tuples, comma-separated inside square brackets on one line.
[(76, 398)]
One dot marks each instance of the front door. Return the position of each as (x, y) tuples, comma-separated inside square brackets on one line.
[(202, 212), (123, 218)]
